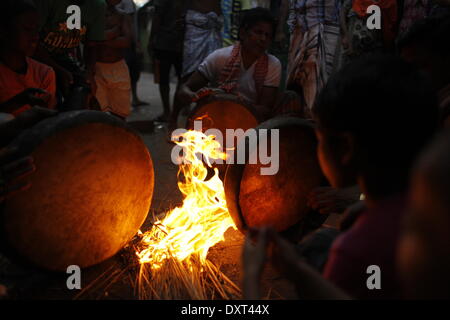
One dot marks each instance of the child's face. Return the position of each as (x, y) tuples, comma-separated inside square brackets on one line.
[(24, 36), (424, 248), (258, 38), (334, 158)]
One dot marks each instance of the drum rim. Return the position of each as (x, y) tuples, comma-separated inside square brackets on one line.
[(34, 136), (224, 97)]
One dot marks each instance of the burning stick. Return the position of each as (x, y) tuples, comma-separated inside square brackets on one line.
[(173, 255)]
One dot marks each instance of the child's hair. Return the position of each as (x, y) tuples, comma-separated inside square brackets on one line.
[(253, 16), (387, 106), (10, 9), (430, 34)]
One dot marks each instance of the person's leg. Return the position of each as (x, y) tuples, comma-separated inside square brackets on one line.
[(164, 82), (120, 90), (134, 65), (102, 91), (164, 90), (177, 106), (135, 99)]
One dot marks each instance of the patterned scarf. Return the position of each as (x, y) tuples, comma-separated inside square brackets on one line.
[(229, 76)]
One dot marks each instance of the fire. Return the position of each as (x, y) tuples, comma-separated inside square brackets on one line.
[(202, 220)]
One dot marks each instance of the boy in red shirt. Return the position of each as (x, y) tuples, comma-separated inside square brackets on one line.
[(23, 81)]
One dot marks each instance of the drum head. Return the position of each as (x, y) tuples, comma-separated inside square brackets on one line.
[(90, 194), (223, 111), (278, 200)]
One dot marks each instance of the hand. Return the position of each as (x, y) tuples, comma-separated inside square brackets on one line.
[(329, 200), (30, 117), (205, 92), (186, 96), (13, 170), (25, 120), (14, 167)]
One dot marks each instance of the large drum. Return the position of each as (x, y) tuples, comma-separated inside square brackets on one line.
[(279, 200), (223, 111), (90, 194)]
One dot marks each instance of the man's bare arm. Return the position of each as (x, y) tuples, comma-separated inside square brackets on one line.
[(187, 91)]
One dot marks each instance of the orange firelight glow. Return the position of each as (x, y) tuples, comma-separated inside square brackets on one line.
[(202, 220)]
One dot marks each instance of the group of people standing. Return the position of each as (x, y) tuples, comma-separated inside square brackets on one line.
[(312, 38), (103, 58)]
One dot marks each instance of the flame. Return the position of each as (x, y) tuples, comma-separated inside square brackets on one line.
[(202, 220)]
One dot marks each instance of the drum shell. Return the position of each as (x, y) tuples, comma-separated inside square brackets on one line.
[(224, 111), (280, 200), (90, 194)]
